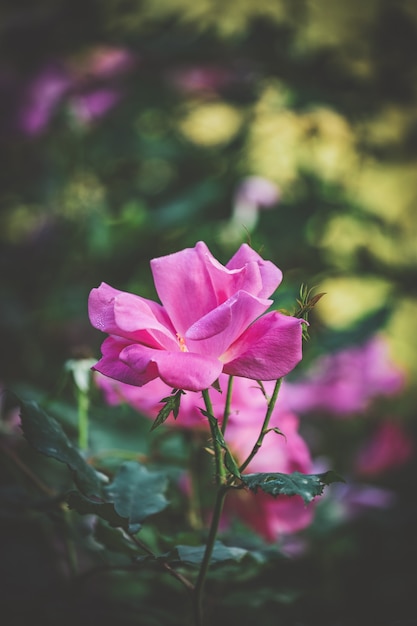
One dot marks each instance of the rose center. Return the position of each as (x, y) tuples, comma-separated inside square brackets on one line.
[(181, 342)]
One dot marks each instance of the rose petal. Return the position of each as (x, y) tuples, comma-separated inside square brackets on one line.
[(227, 282), (216, 331), (191, 283), (132, 317), (271, 275), (273, 517), (183, 285), (267, 350), (179, 370), (100, 308), (145, 321), (112, 366)]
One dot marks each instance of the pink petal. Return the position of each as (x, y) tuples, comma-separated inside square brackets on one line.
[(131, 317), (191, 283), (271, 517), (110, 365), (268, 350), (226, 282), (183, 285), (215, 332), (146, 321), (286, 514), (100, 308), (179, 370), (271, 275)]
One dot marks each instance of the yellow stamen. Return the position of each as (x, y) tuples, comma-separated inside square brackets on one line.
[(181, 341)]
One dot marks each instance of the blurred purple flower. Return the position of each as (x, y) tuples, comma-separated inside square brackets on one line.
[(389, 447), (41, 97), (350, 500), (346, 382), (90, 88), (92, 105)]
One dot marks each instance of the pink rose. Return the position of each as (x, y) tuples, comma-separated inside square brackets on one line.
[(210, 322), (346, 381)]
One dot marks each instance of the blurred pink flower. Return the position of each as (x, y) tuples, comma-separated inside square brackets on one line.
[(257, 192), (210, 321), (346, 382), (389, 447), (201, 78), (270, 517), (106, 62), (252, 194), (147, 400)]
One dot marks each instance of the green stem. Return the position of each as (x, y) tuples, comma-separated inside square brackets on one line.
[(221, 479), (227, 404), (220, 469), (264, 429), (83, 404), (199, 586), (69, 543)]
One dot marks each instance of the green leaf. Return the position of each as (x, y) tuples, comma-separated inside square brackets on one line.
[(104, 510), (172, 405), (137, 493), (308, 486), (134, 495), (229, 460), (45, 434), (193, 555)]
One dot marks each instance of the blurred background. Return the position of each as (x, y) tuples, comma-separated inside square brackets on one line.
[(132, 129)]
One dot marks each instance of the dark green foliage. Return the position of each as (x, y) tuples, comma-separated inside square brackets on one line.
[(46, 435), (137, 493), (134, 495), (308, 486), (104, 510), (193, 555)]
